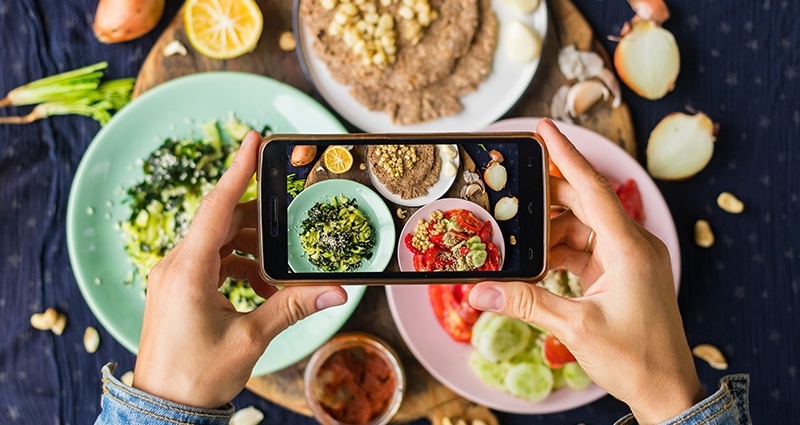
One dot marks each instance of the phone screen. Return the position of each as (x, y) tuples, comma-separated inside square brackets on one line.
[(403, 207)]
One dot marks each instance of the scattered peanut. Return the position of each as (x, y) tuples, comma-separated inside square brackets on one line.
[(730, 203), (402, 213), (61, 323), (44, 321), (712, 355), (127, 378), (703, 236), (287, 42), (91, 339), (512, 240), (362, 167)]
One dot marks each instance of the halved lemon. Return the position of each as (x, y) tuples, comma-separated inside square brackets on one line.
[(223, 29), (337, 159)]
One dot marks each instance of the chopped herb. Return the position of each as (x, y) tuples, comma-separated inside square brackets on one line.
[(294, 186)]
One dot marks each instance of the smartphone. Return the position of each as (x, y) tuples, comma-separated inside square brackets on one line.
[(378, 209)]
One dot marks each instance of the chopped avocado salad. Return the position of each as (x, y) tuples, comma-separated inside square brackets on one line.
[(336, 236), (177, 176)]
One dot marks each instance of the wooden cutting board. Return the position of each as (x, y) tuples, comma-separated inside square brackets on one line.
[(425, 396)]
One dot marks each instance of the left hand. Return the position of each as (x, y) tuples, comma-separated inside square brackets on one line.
[(196, 349)]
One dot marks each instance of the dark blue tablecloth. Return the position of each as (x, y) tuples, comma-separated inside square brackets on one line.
[(740, 64)]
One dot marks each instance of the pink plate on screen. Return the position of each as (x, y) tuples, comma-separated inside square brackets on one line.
[(406, 258), (447, 360)]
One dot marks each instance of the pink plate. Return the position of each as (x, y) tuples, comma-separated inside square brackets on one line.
[(406, 258), (447, 360)]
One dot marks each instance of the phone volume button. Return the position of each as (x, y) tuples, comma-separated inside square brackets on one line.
[(273, 216)]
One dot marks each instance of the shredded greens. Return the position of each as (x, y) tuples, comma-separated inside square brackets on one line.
[(177, 176), (294, 186), (337, 236)]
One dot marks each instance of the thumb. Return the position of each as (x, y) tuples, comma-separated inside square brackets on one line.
[(290, 305), (526, 302)]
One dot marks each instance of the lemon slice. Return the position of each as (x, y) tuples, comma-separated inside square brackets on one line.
[(338, 159), (223, 29)]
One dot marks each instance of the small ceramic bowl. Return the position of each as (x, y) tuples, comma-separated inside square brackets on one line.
[(324, 378)]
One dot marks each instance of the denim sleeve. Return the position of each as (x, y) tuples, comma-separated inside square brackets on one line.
[(125, 405), (727, 406)]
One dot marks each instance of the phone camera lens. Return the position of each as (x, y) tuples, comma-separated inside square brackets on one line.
[(273, 172)]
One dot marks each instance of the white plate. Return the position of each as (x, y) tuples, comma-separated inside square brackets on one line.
[(434, 192), (493, 98), (448, 361)]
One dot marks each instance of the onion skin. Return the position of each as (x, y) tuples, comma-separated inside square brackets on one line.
[(303, 155), (647, 60), (117, 21)]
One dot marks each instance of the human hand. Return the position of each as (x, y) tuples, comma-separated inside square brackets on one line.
[(626, 331), (196, 349)]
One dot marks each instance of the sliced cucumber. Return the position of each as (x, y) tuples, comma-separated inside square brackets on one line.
[(480, 325), (575, 377), (558, 378), (503, 338), (494, 374), (529, 381)]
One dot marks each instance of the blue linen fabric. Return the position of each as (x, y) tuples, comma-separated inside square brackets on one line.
[(739, 64)]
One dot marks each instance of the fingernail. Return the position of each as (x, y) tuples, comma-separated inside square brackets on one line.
[(329, 299), (251, 135), (488, 299)]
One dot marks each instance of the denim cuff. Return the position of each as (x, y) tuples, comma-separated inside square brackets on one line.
[(126, 405), (728, 405)]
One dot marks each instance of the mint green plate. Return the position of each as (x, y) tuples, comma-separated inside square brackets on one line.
[(368, 202), (110, 165)]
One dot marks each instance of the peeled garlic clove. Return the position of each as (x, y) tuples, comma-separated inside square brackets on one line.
[(523, 6), (583, 95), (495, 176), (647, 60), (471, 189), (521, 43), (127, 378), (91, 340), (448, 151), (712, 355), (650, 10), (680, 146), (608, 78), (247, 416), (449, 169), (506, 208), (579, 65)]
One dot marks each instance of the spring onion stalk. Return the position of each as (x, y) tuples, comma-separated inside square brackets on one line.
[(56, 88), (96, 103)]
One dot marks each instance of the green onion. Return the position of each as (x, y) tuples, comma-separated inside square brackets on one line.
[(74, 92)]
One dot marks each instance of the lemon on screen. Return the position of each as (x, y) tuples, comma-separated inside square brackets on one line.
[(223, 29), (338, 159)]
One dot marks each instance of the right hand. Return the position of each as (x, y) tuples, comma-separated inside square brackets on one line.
[(626, 331)]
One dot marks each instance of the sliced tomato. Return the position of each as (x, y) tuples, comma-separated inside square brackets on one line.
[(464, 250), (492, 257), (631, 199), (486, 232), (437, 240), (452, 310), (452, 213), (407, 241), (468, 221), (554, 353), (419, 263)]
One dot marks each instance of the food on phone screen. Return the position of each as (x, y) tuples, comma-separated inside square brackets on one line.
[(337, 159), (303, 155), (177, 176), (336, 235), (411, 61), (406, 170), (452, 309), (454, 240)]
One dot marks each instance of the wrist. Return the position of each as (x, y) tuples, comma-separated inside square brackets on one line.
[(667, 400)]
